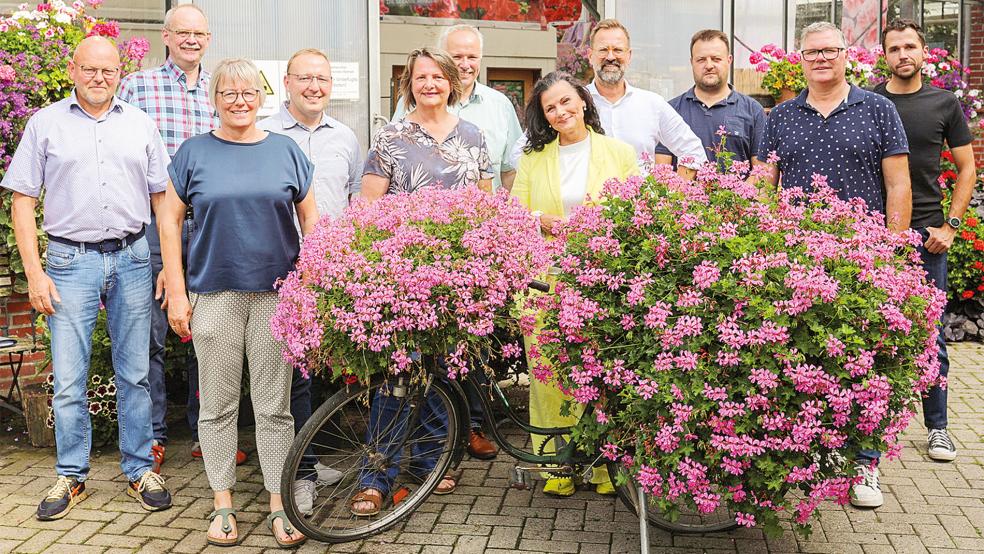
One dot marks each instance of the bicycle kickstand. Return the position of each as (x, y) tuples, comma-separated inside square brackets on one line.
[(643, 522)]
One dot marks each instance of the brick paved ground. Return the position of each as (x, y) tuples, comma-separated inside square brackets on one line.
[(929, 507)]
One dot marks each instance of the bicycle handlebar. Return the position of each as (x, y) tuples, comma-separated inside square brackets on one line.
[(539, 285)]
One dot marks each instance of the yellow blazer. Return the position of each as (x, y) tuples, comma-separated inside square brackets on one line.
[(537, 183)]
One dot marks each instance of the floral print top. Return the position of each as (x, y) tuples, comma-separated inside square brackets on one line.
[(406, 154)]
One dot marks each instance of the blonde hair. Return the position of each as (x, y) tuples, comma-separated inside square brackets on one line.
[(305, 52), (608, 24), (236, 69), (447, 67)]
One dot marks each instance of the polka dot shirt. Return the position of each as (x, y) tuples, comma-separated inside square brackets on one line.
[(847, 146)]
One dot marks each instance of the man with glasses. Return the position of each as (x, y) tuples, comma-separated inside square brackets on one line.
[(639, 117), (102, 167), (932, 117), (855, 139), (175, 96), (335, 152)]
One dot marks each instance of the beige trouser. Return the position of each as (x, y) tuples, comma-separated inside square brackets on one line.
[(227, 326)]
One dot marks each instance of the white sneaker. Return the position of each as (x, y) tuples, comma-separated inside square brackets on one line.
[(304, 496), (327, 475), (941, 448), (867, 493)]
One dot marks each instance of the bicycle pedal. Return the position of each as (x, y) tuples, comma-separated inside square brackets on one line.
[(520, 479)]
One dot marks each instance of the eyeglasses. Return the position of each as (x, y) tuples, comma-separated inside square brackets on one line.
[(107, 73), (827, 53), (185, 35), (248, 95), (306, 79)]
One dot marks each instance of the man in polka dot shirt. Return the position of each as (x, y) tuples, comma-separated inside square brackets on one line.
[(852, 136), (856, 139)]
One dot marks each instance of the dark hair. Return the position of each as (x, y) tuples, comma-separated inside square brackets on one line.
[(900, 24), (709, 35), (538, 131)]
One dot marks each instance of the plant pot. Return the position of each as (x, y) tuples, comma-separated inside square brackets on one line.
[(786, 94), (35, 414)]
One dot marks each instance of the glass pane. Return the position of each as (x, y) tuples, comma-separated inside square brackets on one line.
[(756, 24), (339, 27), (941, 22), (661, 59), (907, 9), (486, 10), (810, 11), (859, 21)]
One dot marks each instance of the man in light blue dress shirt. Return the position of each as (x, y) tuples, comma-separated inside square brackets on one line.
[(334, 150), (101, 164)]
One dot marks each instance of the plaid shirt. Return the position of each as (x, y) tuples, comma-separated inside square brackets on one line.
[(163, 94)]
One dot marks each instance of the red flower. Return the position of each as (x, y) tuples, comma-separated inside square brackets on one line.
[(947, 155), (967, 294), (949, 175), (979, 244), (971, 222), (978, 265), (980, 288), (967, 235)]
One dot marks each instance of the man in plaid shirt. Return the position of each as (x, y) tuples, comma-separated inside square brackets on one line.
[(175, 96)]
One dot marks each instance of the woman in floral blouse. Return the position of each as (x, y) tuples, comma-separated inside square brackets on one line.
[(429, 147)]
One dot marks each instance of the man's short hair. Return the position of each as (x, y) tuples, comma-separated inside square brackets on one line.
[(820, 27), (236, 69), (607, 24), (900, 24), (170, 13), (305, 52), (708, 35), (442, 41)]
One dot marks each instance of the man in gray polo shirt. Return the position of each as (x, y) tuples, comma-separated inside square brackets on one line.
[(101, 163), (334, 150)]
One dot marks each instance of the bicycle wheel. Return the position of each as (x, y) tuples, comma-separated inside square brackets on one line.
[(347, 435), (689, 522)]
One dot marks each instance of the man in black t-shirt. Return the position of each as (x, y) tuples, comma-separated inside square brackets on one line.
[(932, 117)]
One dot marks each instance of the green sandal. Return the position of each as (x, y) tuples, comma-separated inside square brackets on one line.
[(225, 514), (287, 529)]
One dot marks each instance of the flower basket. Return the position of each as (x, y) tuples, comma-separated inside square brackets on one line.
[(433, 272), (738, 352)]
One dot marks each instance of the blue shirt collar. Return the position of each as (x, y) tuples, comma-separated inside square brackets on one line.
[(730, 99), (854, 96)]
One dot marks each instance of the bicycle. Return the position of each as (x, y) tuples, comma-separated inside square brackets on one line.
[(338, 435)]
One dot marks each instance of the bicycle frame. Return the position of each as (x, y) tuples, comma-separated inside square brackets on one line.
[(566, 455)]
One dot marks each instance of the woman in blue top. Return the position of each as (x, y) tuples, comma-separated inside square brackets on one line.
[(245, 186)]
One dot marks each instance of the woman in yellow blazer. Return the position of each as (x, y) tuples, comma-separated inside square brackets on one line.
[(565, 163)]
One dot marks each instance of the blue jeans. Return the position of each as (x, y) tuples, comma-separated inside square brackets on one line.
[(158, 338), (300, 409), (934, 403), (119, 280), (388, 423)]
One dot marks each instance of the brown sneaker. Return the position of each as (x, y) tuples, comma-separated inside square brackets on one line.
[(481, 447)]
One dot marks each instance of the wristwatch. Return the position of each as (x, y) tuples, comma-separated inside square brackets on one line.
[(953, 221)]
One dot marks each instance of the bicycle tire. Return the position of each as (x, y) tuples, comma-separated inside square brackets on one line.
[(689, 522), (344, 449)]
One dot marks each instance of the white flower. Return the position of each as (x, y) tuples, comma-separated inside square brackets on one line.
[(958, 93), (63, 18), (22, 14), (973, 93), (41, 25)]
